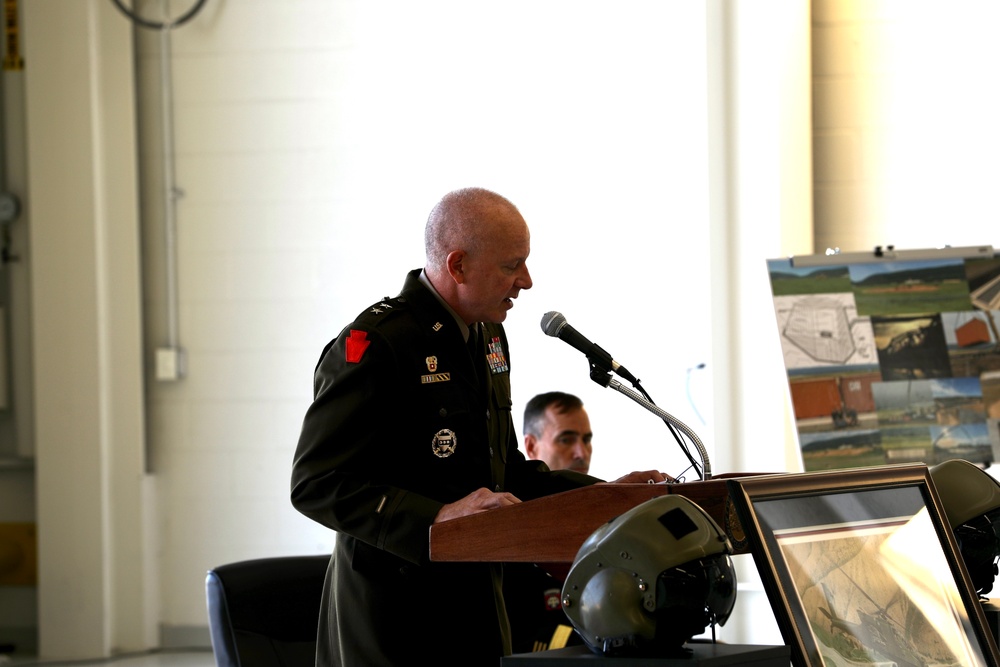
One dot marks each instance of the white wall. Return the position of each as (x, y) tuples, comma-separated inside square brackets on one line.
[(310, 157), (659, 152), (905, 136)]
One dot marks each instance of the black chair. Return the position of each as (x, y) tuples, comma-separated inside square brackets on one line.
[(265, 612)]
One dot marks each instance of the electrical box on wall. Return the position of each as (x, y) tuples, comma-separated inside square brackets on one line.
[(169, 363)]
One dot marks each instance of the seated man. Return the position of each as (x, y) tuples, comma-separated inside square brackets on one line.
[(557, 431)]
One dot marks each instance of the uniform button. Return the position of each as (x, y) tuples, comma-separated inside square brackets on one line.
[(443, 412), (491, 451), (487, 415), (498, 488)]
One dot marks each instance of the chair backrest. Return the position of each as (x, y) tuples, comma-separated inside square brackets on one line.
[(265, 612)]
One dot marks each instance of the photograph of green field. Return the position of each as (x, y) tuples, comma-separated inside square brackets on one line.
[(910, 288), (910, 443), (787, 280), (834, 450)]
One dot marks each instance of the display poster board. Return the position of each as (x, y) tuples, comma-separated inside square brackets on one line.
[(892, 356)]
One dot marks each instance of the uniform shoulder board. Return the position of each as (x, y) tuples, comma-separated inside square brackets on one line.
[(381, 309)]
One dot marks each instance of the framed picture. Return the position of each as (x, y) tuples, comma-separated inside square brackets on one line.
[(862, 568)]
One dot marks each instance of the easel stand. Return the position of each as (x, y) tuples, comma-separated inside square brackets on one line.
[(702, 655)]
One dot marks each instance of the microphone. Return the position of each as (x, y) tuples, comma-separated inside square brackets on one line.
[(554, 324)]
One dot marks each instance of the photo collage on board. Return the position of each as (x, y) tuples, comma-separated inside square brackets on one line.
[(892, 362)]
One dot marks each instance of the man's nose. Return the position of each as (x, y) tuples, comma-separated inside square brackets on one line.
[(524, 280)]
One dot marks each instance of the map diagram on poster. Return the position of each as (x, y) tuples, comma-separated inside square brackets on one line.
[(892, 356)]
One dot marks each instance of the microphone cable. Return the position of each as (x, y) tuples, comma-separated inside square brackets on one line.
[(681, 441)]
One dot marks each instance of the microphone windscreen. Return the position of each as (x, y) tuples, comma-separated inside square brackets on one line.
[(552, 322)]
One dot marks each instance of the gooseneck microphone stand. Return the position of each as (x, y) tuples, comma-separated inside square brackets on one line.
[(602, 376)]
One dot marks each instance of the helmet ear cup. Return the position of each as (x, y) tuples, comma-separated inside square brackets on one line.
[(721, 596), (979, 546), (681, 615), (692, 596), (611, 607)]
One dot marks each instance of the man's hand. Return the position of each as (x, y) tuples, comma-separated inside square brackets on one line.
[(644, 477), (479, 500)]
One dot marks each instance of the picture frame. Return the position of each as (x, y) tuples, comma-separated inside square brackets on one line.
[(861, 567)]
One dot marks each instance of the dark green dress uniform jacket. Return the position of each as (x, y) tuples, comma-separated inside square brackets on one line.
[(404, 420)]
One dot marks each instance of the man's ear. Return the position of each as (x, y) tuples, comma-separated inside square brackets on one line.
[(529, 446), (456, 265)]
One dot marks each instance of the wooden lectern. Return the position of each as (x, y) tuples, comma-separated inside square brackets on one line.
[(551, 529)]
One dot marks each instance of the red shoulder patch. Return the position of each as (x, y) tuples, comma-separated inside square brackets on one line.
[(357, 343)]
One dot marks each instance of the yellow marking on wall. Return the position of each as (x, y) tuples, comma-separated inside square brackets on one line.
[(18, 554), (12, 60)]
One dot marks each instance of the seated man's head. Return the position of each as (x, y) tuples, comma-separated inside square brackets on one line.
[(557, 431)]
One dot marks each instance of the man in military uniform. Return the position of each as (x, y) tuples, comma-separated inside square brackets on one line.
[(556, 430), (411, 425)]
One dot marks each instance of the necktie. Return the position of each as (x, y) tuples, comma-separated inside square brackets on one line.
[(473, 342), (474, 350)]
